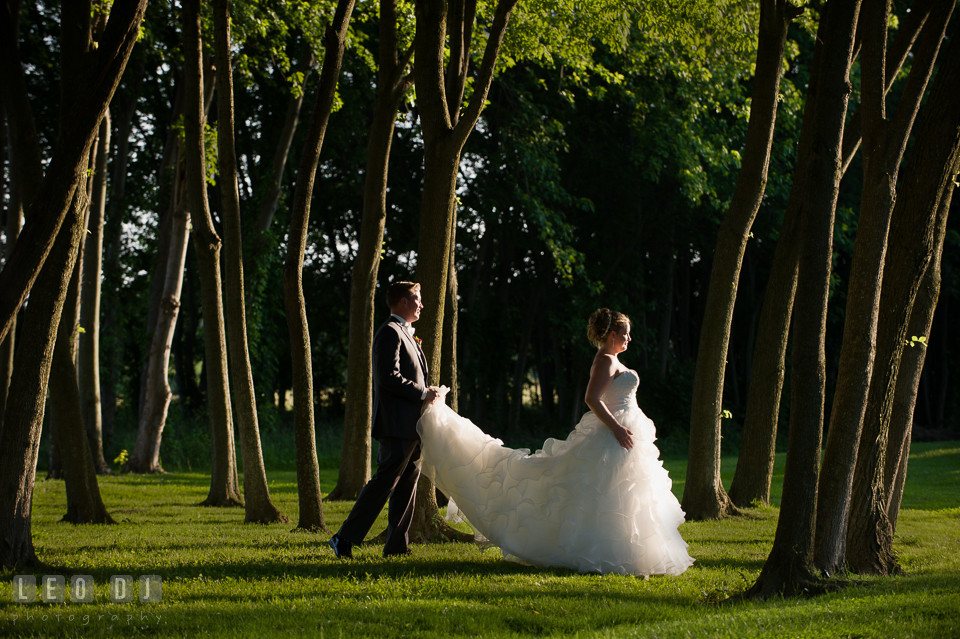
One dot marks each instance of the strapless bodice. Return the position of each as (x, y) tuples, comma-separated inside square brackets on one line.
[(622, 391)]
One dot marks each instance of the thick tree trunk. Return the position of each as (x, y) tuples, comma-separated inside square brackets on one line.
[(789, 568), (258, 505), (884, 144), (308, 469), (89, 356), (14, 218), (919, 229), (224, 489), (20, 437), (145, 457), (392, 84), (101, 73), (703, 493)]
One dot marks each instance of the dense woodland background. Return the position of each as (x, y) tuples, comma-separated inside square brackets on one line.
[(598, 174), (577, 190)]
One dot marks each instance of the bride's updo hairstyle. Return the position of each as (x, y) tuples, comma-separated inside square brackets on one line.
[(602, 322)]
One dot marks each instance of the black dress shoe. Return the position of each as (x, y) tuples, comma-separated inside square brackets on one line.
[(342, 548), (406, 552)]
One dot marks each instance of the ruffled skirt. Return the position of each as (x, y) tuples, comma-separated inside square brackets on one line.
[(584, 502)]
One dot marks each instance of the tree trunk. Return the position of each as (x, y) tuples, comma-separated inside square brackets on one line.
[(789, 568), (448, 359), (84, 503), (224, 489), (156, 400), (258, 505), (523, 349), (14, 217), (392, 84), (908, 378), (445, 131), (102, 69), (308, 469), (20, 437), (110, 331), (907, 32), (754, 473), (703, 493), (282, 152), (184, 344), (89, 360), (667, 313), (919, 228), (884, 144)]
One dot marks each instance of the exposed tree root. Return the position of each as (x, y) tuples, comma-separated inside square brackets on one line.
[(787, 582), (266, 515)]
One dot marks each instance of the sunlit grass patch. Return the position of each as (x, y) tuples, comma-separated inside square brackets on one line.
[(223, 578)]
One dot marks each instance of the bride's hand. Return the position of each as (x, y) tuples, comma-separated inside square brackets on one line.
[(624, 437)]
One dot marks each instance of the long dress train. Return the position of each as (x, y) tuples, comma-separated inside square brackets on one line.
[(583, 502)]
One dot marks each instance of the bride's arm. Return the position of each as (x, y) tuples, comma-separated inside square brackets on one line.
[(601, 374)]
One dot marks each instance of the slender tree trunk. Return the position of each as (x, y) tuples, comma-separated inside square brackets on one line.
[(920, 225), (282, 152), (111, 332), (907, 33), (392, 84), (448, 374), (89, 360), (170, 172), (439, 97), (667, 313), (703, 493), (156, 400), (789, 568), (884, 144), (308, 469), (84, 503), (224, 489), (754, 473), (520, 367), (908, 378), (258, 505)]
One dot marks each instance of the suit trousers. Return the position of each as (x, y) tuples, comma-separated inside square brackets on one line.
[(396, 472)]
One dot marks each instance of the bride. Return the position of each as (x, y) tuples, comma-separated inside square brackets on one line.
[(598, 501)]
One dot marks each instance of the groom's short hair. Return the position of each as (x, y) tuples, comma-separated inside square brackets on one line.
[(399, 291)]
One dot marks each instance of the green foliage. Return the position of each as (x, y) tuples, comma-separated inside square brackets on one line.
[(210, 149)]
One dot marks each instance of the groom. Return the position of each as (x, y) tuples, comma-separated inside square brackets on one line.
[(399, 390)]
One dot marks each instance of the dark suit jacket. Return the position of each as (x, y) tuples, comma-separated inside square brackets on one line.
[(399, 381)]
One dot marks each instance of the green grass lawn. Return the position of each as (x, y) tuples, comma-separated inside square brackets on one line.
[(223, 578)]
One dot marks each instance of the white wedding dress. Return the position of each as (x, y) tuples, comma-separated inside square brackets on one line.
[(584, 502)]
